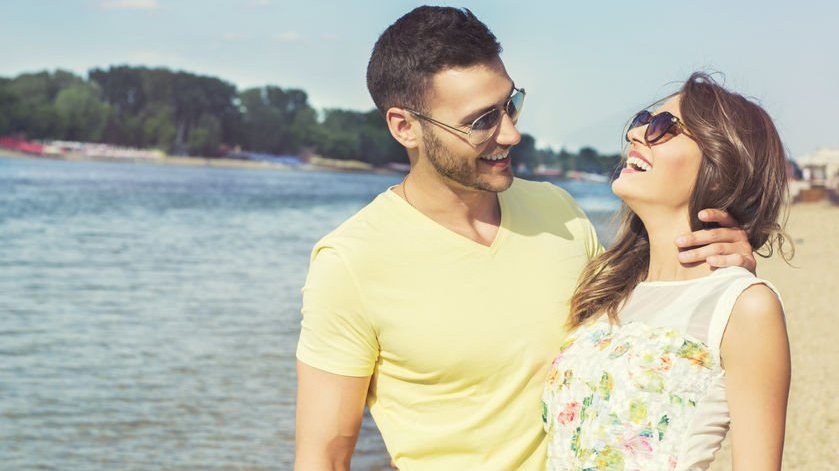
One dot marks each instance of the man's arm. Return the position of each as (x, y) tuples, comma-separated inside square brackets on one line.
[(336, 355), (329, 410), (725, 246)]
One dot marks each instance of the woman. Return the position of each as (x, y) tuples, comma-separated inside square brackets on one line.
[(662, 356)]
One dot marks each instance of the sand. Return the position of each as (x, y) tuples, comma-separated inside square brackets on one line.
[(810, 291)]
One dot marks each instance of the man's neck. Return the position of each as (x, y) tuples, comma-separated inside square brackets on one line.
[(472, 213)]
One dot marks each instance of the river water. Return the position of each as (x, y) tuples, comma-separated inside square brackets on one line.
[(149, 314)]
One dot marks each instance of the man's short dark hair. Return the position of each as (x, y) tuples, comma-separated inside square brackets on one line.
[(422, 43)]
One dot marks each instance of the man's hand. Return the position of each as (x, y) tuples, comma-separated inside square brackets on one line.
[(725, 246)]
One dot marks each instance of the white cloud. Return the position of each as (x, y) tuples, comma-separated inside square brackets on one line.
[(286, 37), (261, 3), (130, 4)]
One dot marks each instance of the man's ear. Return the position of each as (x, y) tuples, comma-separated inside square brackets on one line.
[(403, 127)]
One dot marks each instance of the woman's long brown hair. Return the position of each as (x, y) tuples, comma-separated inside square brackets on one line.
[(743, 170)]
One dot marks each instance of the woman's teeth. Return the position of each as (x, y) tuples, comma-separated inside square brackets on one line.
[(638, 164)]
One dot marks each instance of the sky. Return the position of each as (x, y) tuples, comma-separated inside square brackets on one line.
[(587, 66)]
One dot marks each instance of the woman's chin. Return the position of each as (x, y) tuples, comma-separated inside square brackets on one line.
[(634, 198), (622, 190)]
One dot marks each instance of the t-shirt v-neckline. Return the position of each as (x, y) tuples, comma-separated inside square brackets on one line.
[(500, 235)]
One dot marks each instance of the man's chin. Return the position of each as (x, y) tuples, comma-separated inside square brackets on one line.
[(496, 184)]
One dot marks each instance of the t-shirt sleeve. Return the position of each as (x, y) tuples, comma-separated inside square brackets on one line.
[(593, 246), (335, 334), (588, 234)]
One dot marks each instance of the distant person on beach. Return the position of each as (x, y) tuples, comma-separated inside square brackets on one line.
[(663, 355), (442, 302)]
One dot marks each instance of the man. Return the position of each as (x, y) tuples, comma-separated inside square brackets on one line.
[(443, 301)]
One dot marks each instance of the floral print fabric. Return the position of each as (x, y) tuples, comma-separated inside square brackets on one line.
[(621, 397)]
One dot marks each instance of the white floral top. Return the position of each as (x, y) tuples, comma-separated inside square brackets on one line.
[(649, 393)]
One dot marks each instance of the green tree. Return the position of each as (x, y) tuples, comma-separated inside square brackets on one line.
[(7, 102), (159, 127), (608, 163), (587, 160), (32, 110), (171, 100), (277, 120), (81, 112), (567, 160), (181, 112), (196, 96), (346, 134), (525, 152), (205, 137)]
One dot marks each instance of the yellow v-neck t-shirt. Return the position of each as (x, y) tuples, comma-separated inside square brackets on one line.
[(457, 336)]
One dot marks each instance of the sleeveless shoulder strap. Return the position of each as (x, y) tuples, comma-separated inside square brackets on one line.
[(722, 311)]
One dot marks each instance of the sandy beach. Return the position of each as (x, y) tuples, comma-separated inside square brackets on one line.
[(810, 290)]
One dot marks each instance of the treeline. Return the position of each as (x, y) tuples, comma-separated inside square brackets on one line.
[(187, 114)]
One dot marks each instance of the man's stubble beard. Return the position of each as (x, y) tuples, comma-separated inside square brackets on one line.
[(455, 169)]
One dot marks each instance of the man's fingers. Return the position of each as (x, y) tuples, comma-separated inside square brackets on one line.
[(726, 246), (701, 254), (732, 260), (718, 216), (720, 261), (718, 256), (711, 236)]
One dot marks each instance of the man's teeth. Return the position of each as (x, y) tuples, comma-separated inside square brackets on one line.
[(638, 164), (495, 157)]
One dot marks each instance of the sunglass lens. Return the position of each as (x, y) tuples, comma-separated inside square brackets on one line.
[(659, 127), (640, 119), (514, 105), (484, 126), (486, 121)]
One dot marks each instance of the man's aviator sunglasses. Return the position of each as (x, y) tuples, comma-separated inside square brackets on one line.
[(662, 127), (485, 125)]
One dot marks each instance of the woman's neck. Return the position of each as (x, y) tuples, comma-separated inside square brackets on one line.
[(662, 230)]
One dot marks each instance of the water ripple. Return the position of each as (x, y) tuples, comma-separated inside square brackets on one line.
[(149, 315)]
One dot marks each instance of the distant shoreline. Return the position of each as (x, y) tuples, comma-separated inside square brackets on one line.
[(225, 163), (189, 162), (222, 162)]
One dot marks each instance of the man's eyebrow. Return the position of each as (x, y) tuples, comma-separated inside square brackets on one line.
[(471, 117)]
